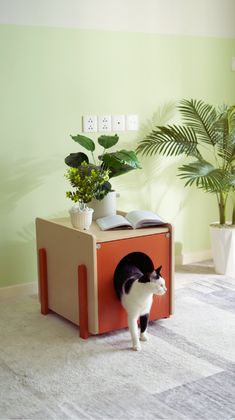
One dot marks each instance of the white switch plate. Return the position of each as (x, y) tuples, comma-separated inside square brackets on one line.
[(118, 123), (90, 123), (132, 122), (104, 123)]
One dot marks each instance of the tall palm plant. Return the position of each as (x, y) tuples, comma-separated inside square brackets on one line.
[(208, 136)]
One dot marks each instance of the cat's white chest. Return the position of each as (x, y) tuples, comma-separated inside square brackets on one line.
[(139, 300)]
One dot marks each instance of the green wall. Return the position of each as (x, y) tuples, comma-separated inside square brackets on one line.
[(50, 77)]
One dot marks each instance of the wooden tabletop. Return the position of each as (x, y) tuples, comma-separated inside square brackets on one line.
[(111, 235)]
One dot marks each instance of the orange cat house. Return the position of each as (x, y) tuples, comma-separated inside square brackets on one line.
[(76, 270)]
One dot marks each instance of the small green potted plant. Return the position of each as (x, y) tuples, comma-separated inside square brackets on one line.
[(87, 182), (208, 137), (117, 163)]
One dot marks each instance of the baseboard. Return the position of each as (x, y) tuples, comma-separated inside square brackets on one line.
[(19, 290), (192, 257)]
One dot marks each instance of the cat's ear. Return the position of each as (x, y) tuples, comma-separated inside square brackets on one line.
[(158, 270)]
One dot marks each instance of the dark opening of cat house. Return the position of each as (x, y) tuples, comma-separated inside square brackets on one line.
[(139, 259), (126, 266)]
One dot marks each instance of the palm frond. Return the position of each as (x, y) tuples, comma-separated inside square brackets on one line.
[(170, 140), (221, 127), (226, 149), (201, 117), (232, 178), (231, 116), (225, 132), (204, 175)]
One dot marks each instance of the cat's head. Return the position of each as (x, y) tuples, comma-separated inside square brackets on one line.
[(157, 282)]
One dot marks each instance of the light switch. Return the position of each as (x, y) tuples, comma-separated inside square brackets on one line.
[(118, 123), (132, 122)]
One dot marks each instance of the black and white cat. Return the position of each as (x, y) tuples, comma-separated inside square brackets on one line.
[(136, 290)]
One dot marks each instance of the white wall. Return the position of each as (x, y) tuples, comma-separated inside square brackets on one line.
[(187, 17)]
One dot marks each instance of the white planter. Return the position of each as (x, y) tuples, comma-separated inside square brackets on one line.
[(81, 219), (223, 249), (105, 207)]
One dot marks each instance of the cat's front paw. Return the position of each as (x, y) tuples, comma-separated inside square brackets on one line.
[(136, 347), (144, 337)]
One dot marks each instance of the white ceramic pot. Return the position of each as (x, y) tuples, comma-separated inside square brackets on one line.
[(223, 249), (105, 207), (81, 219)]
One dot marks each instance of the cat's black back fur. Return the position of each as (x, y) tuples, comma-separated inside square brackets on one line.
[(125, 274)]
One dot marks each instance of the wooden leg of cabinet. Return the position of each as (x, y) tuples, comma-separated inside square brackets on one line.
[(43, 281), (83, 301)]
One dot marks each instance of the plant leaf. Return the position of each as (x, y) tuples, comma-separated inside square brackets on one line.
[(103, 190), (232, 178), (231, 116), (170, 140), (204, 175), (225, 131), (201, 117), (120, 162), (108, 141), (85, 142), (75, 159)]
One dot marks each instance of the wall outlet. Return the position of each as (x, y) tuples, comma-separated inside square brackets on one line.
[(104, 123), (132, 122), (90, 123), (118, 123)]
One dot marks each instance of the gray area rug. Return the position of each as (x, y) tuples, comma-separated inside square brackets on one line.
[(185, 371)]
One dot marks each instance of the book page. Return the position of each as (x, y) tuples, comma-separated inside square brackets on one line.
[(113, 222), (141, 218)]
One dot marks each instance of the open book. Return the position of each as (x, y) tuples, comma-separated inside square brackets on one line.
[(133, 220)]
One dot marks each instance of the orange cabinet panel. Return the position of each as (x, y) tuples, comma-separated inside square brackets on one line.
[(110, 312)]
